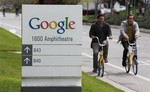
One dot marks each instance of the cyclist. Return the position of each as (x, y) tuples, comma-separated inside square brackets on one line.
[(17, 9), (102, 30), (4, 10), (129, 30)]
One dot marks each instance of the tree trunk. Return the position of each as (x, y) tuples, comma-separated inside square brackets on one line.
[(147, 9), (96, 7), (111, 5), (127, 8)]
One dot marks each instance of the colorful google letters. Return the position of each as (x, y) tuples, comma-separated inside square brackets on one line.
[(60, 26)]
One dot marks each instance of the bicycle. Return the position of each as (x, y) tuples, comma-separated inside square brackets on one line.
[(101, 58), (131, 60)]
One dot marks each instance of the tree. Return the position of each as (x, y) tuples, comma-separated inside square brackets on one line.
[(96, 7), (147, 7), (58, 1), (71, 1), (50, 1), (16, 1)]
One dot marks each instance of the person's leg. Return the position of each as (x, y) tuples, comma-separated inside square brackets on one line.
[(3, 13), (135, 47), (105, 49), (16, 12), (125, 52), (95, 47)]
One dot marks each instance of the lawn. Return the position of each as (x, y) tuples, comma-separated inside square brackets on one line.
[(9, 42), (10, 62), (92, 84)]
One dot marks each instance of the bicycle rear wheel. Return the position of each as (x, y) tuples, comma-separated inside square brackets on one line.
[(127, 68), (101, 68), (135, 65)]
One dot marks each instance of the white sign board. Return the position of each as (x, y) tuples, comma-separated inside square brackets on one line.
[(54, 24), (51, 47)]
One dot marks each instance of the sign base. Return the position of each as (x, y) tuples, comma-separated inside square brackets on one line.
[(52, 89)]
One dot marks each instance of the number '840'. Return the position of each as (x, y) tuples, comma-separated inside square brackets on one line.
[(37, 60)]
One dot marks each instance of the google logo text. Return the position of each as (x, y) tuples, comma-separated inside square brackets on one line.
[(60, 26)]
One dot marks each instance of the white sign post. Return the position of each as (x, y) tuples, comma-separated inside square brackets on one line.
[(51, 48)]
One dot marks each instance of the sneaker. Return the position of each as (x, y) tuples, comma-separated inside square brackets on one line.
[(123, 64), (106, 60)]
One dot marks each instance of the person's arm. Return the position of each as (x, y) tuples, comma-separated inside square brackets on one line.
[(91, 32), (122, 30), (137, 30), (109, 33)]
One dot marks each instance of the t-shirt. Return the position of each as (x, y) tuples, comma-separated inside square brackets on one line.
[(129, 32)]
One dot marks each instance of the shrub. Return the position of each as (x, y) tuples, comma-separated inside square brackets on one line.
[(117, 19), (114, 19)]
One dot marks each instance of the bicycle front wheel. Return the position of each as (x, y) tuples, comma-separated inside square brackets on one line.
[(135, 65), (101, 68)]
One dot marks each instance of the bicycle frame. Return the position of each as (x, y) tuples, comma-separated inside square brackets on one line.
[(132, 53), (101, 59)]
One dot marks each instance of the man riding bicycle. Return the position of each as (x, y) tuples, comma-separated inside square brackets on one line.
[(129, 31), (101, 30)]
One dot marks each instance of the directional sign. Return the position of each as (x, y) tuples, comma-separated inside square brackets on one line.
[(53, 61), (26, 49), (26, 60), (56, 50)]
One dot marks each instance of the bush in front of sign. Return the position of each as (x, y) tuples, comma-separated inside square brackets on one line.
[(56, 1)]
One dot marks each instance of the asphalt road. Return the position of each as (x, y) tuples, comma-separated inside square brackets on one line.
[(114, 72)]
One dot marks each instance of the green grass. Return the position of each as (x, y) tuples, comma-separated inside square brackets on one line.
[(10, 71), (92, 84), (8, 41), (10, 62), (10, 68)]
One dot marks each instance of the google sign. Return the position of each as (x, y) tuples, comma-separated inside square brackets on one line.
[(51, 44), (60, 26)]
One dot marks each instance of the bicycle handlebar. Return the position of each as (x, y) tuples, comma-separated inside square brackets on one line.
[(132, 44), (100, 44)]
